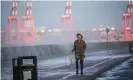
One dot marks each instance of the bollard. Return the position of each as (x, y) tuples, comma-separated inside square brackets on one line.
[(16, 73), (28, 71), (131, 48)]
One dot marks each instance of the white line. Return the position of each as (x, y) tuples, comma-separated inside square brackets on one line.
[(87, 68), (58, 66)]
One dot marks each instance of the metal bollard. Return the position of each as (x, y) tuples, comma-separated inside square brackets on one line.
[(131, 48), (28, 71), (16, 72)]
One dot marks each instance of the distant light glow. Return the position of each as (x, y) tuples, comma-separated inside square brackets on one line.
[(42, 31), (124, 14), (112, 28), (57, 30), (94, 29), (128, 14), (49, 30), (100, 29), (128, 28)]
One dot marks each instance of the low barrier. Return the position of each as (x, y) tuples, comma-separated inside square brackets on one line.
[(49, 51)]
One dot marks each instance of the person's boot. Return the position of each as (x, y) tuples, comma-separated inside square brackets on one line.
[(77, 72), (81, 73), (81, 65)]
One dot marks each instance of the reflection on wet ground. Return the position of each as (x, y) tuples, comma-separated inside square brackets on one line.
[(121, 72), (53, 67)]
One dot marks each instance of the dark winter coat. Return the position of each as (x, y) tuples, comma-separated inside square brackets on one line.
[(79, 48)]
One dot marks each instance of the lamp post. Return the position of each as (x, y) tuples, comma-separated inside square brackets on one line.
[(107, 31)]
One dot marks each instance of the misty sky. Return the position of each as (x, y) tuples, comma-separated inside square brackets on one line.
[(86, 14)]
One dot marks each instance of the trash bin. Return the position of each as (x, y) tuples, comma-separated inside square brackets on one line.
[(16, 73), (28, 71)]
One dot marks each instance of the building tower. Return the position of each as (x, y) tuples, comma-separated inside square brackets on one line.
[(66, 18), (28, 24), (127, 22), (13, 25)]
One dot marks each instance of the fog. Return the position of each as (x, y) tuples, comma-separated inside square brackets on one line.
[(56, 44), (86, 15)]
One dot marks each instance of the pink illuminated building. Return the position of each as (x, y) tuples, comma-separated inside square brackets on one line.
[(12, 35), (66, 19), (28, 25), (127, 23)]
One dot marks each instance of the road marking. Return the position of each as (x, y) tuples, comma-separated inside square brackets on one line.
[(94, 66), (87, 68), (59, 66), (103, 57)]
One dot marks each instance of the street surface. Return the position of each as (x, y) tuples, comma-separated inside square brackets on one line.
[(58, 69)]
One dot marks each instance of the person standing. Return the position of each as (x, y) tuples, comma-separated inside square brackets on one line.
[(79, 47)]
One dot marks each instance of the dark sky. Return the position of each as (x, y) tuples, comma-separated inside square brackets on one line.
[(86, 14)]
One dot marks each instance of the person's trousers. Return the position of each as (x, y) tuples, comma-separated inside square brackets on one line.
[(77, 65)]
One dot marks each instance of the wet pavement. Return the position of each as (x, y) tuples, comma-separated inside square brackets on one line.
[(120, 72), (57, 69)]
